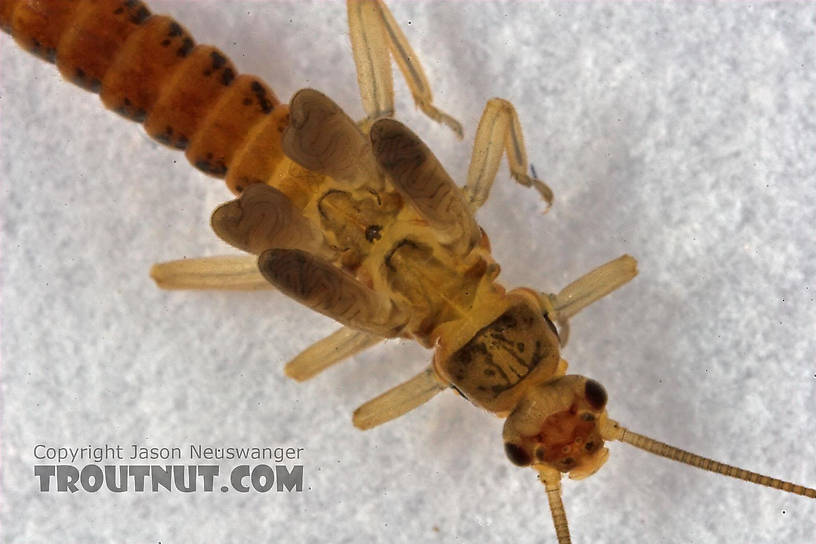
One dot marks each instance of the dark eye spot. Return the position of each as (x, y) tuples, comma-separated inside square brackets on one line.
[(595, 394), (517, 454), (372, 232)]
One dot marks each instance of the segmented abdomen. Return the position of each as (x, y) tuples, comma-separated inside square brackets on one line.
[(147, 68)]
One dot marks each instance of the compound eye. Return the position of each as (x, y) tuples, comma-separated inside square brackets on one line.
[(517, 454), (595, 394)]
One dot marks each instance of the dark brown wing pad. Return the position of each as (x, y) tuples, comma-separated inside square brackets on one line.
[(322, 138), (325, 288), (421, 179), (264, 218)]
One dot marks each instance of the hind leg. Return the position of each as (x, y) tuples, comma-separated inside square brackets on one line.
[(499, 133), (374, 36)]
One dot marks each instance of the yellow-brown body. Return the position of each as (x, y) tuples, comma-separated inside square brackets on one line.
[(148, 68)]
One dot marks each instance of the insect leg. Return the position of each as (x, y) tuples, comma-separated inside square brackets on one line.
[(399, 400), (499, 132), (374, 33), (421, 179), (587, 289), (238, 273), (340, 345), (327, 289)]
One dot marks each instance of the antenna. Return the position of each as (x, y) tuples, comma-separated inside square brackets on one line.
[(676, 454), (612, 430), (552, 483)]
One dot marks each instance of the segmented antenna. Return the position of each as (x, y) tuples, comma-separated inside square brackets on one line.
[(552, 483), (676, 454)]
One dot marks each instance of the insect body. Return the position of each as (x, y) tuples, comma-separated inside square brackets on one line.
[(474, 348)]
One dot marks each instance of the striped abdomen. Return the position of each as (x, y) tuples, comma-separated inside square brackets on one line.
[(148, 69)]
